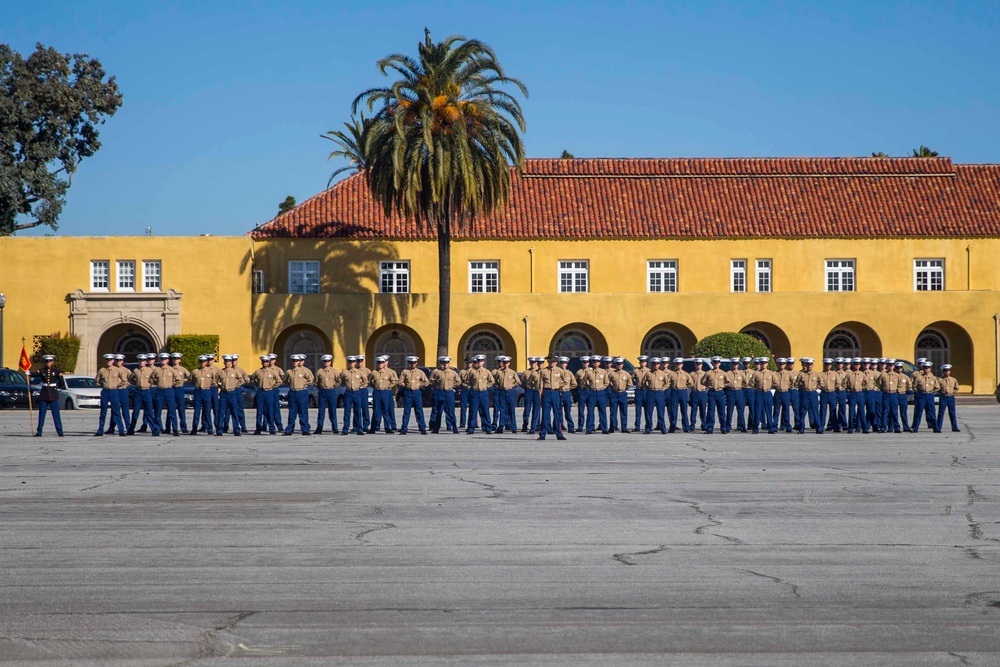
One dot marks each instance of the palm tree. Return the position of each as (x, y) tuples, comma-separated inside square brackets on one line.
[(923, 151), (442, 143), (880, 154), (352, 145)]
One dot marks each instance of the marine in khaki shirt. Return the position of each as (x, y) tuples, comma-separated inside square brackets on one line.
[(504, 377), (263, 378), (569, 381), (163, 376), (903, 381), (680, 378), (413, 379), (529, 378), (786, 379), (181, 374), (714, 379), (445, 377), (231, 378), (203, 377), (763, 379), (926, 383), (553, 378), (656, 379), (948, 385), (597, 378), (106, 377), (888, 381), (328, 377), (479, 378), (298, 378), (141, 376), (807, 380), (383, 379), (122, 376), (619, 379), (856, 380), (353, 378), (696, 376), (735, 379), (639, 372)]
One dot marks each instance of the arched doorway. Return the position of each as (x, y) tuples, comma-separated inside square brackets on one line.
[(302, 339), (772, 336), (933, 346), (577, 339), (945, 342), (397, 345), (852, 339), (663, 343), (485, 343), (129, 339)]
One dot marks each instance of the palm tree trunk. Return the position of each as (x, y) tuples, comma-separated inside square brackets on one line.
[(444, 285)]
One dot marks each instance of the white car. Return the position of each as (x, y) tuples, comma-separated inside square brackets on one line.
[(79, 391)]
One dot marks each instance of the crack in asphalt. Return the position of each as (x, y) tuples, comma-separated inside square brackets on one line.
[(712, 522), (972, 495), (955, 461), (976, 531), (961, 658), (862, 479), (625, 558), (492, 488), (777, 580), (210, 646), (360, 536), (116, 479), (986, 598)]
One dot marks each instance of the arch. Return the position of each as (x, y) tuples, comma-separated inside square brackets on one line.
[(663, 338), (852, 339), (128, 338), (301, 339), (577, 339), (771, 335), (488, 339), (397, 341), (947, 343)]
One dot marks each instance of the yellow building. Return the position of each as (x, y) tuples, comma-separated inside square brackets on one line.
[(816, 257), (124, 294)]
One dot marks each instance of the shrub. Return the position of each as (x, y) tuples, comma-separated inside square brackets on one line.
[(729, 344), (191, 345), (65, 348)]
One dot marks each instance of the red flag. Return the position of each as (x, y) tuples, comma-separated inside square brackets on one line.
[(25, 363)]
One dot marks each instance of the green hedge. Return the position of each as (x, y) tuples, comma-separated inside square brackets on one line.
[(65, 348), (191, 345), (729, 344)]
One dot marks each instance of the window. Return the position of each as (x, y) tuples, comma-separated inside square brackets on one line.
[(763, 275), (928, 275), (573, 343), (663, 343), (933, 346), (841, 343), (151, 281), (738, 275), (484, 277), (662, 275), (759, 335), (840, 275), (397, 345), (258, 282), (126, 275), (394, 277), (100, 275), (307, 342), (485, 343), (303, 277), (573, 275)]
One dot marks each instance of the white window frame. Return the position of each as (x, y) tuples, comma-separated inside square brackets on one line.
[(304, 275), (574, 274), (152, 268), (96, 275), (737, 275), (664, 273), (927, 272), (763, 271), (124, 269), (845, 271), (481, 271), (257, 282), (397, 274)]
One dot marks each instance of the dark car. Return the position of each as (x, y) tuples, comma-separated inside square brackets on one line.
[(14, 389)]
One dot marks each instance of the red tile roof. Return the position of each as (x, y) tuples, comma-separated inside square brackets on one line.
[(698, 198)]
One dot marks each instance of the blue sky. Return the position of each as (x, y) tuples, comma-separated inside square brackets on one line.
[(225, 102)]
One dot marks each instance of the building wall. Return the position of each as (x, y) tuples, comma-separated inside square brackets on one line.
[(209, 276), (885, 312)]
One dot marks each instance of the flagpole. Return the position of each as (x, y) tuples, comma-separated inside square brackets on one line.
[(27, 382)]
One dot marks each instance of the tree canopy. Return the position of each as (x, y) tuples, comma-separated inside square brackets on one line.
[(50, 106), (441, 144), (923, 151), (287, 205)]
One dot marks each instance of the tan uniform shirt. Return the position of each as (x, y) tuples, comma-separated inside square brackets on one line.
[(479, 379), (655, 380), (638, 373), (354, 379), (569, 382), (231, 378), (682, 380), (903, 383), (182, 375), (413, 378), (829, 381), (203, 378), (553, 378), (619, 381), (581, 378), (105, 378), (926, 384), (328, 378), (505, 379), (298, 378), (598, 378), (123, 377), (264, 379), (763, 380), (807, 380), (872, 377), (786, 380), (140, 377), (383, 380), (446, 379), (162, 377), (888, 381), (696, 377), (279, 375), (530, 380), (948, 386), (463, 375), (856, 381), (714, 380), (735, 379)]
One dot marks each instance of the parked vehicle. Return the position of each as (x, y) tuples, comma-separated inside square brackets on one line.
[(79, 391), (14, 389)]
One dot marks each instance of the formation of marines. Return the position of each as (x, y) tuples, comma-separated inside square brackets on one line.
[(849, 395)]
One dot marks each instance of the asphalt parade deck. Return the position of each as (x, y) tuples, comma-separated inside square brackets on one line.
[(731, 549)]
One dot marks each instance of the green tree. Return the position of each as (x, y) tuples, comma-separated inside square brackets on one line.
[(50, 106), (923, 151), (566, 155), (880, 154), (442, 143), (287, 205), (351, 145), (728, 344)]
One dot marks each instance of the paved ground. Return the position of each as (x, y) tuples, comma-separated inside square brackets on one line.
[(380, 550)]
